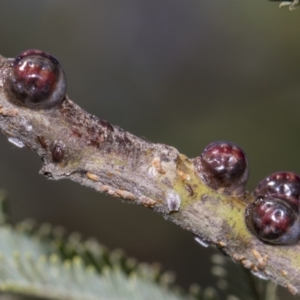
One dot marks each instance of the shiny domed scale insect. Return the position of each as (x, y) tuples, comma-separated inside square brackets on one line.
[(274, 215), (36, 80), (224, 167)]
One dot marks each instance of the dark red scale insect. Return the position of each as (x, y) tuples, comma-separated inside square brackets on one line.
[(274, 216), (36, 80), (274, 219), (223, 166), (286, 183)]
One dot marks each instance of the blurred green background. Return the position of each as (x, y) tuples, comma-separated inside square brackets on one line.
[(183, 73)]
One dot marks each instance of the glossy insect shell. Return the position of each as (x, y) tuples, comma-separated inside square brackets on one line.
[(223, 166), (286, 183), (36, 80), (274, 219)]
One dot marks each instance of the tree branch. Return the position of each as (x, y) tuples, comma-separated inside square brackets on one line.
[(78, 146)]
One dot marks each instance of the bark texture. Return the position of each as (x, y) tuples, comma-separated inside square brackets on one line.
[(76, 145)]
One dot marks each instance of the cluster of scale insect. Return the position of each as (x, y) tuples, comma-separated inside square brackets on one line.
[(274, 215), (37, 81)]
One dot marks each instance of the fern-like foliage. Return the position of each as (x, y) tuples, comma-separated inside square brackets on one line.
[(31, 266), (44, 261)]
